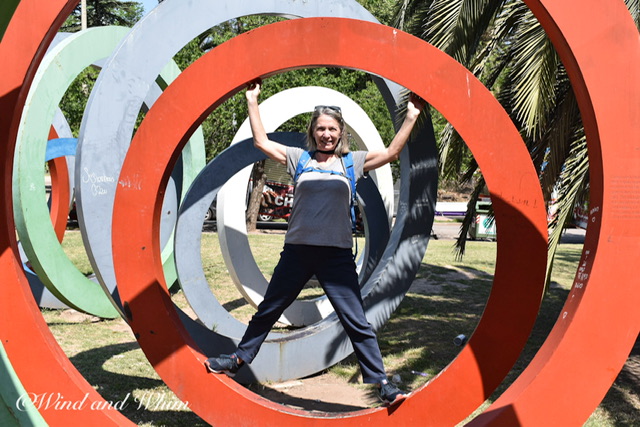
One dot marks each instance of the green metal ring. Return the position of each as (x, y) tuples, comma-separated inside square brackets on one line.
[(58, 70), (16, 408)]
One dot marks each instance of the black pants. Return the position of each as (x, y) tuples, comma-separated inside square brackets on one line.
[(336, 272)]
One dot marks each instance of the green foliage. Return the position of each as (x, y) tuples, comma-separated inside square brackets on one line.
[(74, 101), (105, 12), (220, 127), (222, 124), (99, 13), (383, 10), (504, 45)]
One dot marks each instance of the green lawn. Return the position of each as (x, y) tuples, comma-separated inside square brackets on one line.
[(447, 299)]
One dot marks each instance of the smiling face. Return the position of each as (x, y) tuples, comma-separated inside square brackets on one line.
[(326, 132)]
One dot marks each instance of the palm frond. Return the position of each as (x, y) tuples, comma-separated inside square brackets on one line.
[(453, 153), (571, 184), (495, 56), (469, 218), (410, 14), (550, 152), (439, 26), (634, 9), (458, 27), (534, 77)]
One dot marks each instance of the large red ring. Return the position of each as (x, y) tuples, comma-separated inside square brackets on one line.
[(517, 199), (599, 45)]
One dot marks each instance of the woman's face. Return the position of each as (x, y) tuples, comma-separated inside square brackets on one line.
[(327, 133)]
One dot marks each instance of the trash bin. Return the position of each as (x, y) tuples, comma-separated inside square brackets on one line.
[(484, 226)]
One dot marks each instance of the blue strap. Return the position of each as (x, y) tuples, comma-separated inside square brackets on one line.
[(304, 159), (348, 167), (347, 163)]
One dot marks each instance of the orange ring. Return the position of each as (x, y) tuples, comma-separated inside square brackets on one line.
[(449, 87), (60, 194), (599, 45), (36, 357)]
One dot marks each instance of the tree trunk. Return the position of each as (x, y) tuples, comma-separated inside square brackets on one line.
[(259, 179)]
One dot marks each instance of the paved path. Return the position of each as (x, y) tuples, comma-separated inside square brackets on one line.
[(449, 230)]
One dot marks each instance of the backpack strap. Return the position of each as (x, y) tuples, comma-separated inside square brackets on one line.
[(347, 164), (300, 168)]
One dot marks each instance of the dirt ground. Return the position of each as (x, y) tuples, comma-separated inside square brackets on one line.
[(329, 393), (321, 393)]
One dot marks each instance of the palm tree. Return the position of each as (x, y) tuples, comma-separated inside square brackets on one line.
[(504, 45)]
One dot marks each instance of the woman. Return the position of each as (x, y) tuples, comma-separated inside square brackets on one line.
[(319, 239)]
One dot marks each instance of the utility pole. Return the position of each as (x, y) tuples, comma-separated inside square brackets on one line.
[(83, 14)]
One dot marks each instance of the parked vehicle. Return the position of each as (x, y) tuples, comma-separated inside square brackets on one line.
[(210, 215), (277, 200)]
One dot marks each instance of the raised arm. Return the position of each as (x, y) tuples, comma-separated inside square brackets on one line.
[(378, 158), (272, 149)]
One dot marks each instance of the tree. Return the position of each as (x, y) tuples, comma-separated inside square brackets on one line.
[(74, 101), (99, 13), (223, 123), (503, 44), (105, 12)]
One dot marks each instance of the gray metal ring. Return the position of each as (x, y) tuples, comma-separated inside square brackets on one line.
[(231, 226), (280, 355), (189, 229), (107, 130), (124, 83)]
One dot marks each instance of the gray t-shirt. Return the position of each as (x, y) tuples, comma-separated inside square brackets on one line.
[(321, 211)]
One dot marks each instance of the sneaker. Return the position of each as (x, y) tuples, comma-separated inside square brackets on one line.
[(225, 363), (390, 394)]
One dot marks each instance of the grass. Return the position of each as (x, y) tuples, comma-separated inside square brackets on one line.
[(447, 299)]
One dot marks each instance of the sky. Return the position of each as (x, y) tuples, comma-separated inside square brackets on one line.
[(148, 5)]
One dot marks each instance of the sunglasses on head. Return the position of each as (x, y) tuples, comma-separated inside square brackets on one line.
[(330, 107)]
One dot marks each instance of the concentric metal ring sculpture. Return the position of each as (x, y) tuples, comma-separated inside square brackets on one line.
[(110, 118), (231, 225), (598, 42), (25, 337), (165, 341), (321, 345), (39, 240), (37, 236)]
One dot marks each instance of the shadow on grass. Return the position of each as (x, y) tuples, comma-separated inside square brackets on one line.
[(236, 303), (428, 321), (619, 401), (419, 336), (149, 406)]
